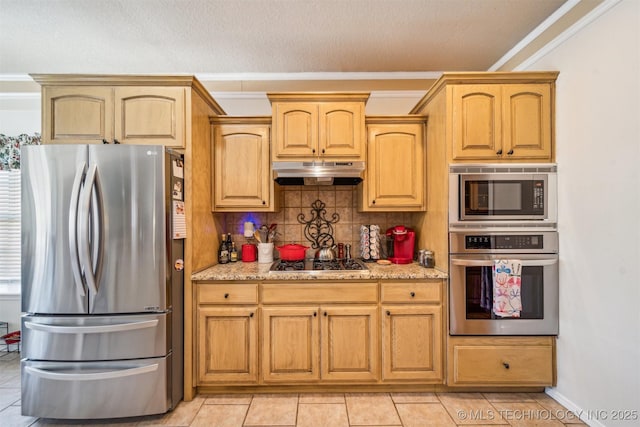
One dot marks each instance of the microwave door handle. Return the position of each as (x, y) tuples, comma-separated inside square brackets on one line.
[(490, 263)]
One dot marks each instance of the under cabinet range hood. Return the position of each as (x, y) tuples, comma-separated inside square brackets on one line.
[(318, 173)]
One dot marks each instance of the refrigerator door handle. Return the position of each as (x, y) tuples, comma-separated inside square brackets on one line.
[(83, 232), (91, 377), (97, 227), (73, 228), (98, 329)]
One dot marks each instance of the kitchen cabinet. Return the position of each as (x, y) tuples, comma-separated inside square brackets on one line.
[(501, 122), (85, 108), (501, 361), (395, 176), (412, 332), (336, 341), (227, 333), (241, 165), (115, 114), (317, 126)]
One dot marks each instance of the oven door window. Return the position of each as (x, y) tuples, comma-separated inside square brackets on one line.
[(479, 293)]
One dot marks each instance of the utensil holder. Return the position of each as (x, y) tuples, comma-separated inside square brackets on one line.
[(265, 253)]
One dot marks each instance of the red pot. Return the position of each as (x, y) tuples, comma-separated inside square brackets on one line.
[(292, 252)]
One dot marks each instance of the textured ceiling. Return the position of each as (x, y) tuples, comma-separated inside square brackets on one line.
[(262, 36)]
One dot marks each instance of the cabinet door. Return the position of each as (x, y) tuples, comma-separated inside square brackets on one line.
[(349, 343), (476, 122), (242, 168), (227, 345), (341, 130), (77, 115), (295, 130), (150, 115), (290, 344), (395, 167), (412, 343), (526, 123)]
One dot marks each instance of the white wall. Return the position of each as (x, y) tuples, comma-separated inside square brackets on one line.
[(10, 312), (19, 113), (598, 154)]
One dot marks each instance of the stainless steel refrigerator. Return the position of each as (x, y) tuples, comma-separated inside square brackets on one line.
[(101, 280)]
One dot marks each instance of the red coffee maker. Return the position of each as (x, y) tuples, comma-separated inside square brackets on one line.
[(403, 241)]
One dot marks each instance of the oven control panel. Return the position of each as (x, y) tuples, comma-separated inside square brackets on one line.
[(504, 241)]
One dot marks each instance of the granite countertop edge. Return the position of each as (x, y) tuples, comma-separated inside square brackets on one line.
[(254, 271)]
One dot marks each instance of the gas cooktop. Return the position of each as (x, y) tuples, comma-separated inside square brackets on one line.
[(312, 266)]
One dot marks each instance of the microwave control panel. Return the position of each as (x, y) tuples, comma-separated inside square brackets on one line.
[(515, 241)]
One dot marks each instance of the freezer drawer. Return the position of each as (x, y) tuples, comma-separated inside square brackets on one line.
[(80, 338), (90, 390)]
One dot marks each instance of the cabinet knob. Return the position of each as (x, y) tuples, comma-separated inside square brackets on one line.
[(115, 141), (323, 151), (250, 314), (104, 141), (313, 150), (506, 365), (315, 314), (499, 152), (264, 203), (325, 314), (388, 313), (226, 296), (373, 202), (510, 152), (413, 294)]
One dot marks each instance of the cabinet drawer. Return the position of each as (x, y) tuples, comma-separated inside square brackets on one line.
[(501, 365), (285, 293), (228, 294), (412, 292)]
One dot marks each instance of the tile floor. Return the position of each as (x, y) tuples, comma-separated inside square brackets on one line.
[(321, 410)]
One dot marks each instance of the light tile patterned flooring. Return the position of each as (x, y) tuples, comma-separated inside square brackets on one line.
[(321, 410)]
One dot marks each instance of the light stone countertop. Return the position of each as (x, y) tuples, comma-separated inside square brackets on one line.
[(259, 272)]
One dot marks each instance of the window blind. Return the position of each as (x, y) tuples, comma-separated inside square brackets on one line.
[(10, 231)]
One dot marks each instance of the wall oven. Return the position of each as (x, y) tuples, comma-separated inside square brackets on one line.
[(471, 262), (484, 195)]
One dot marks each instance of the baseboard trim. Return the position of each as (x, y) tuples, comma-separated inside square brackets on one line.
[(585, 416)]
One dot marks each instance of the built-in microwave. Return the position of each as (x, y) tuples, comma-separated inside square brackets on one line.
[(485, 195)]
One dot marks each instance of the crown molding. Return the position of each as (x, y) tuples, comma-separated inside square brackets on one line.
[(400, 75)]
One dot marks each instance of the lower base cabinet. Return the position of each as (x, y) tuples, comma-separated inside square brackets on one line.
[(227, 345), (501, 361), (328, 343), (412, 343)]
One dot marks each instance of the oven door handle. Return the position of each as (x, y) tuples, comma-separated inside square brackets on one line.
[(490, 263)]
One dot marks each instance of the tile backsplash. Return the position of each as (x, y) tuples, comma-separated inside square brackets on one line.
[(297, 200)]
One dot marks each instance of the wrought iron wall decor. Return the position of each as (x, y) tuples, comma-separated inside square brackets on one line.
[(319, 230)]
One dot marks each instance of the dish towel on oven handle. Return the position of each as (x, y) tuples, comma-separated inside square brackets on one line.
[(506, 287)]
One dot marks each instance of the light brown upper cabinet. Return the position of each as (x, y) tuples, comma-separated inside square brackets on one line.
[(395, 175), (318, 126), (85, 114), (492, 116), (502, 121), (241, 165)]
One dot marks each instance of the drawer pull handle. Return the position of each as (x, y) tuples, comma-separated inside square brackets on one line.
[(315, 314), (226, 296), (510, 152), (388, 313), (499, 152), (413, 294), (325, 314), (506, 365), (250, 314)]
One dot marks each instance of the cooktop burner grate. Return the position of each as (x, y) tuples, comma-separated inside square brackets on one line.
[(314, 266)]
